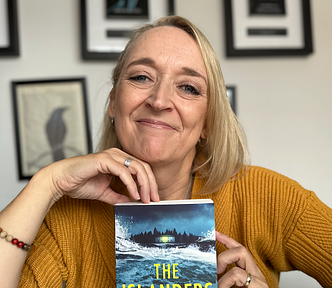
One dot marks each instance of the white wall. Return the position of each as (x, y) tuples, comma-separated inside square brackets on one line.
[(283, 103)]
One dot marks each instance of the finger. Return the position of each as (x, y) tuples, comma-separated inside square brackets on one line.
[(127, 179), (137, 168), (238, 255), (235, 276), (154, 195), (226, 240), (145, 185), (114, 166)]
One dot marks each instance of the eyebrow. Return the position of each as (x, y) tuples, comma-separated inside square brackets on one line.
[(142, 61), (150, 62), (192, 72)]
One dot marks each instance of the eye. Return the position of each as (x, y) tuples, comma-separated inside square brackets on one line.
[(190, 90), (139, 78)]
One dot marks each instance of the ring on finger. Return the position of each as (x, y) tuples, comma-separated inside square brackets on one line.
[(127, 162), (248, 280)]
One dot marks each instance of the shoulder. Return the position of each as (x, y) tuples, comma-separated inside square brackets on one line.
[(253, 179), (259, 176), (257, 171), (263, 187)]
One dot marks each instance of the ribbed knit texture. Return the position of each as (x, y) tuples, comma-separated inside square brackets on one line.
[(284, 226)]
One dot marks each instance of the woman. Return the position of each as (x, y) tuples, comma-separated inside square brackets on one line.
[(173, 136)]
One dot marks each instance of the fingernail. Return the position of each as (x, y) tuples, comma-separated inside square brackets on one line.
[(138, 197)]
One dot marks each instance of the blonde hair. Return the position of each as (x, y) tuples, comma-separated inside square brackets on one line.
[(224, 153)]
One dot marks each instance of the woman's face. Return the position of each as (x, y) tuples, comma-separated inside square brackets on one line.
[(160, 101)]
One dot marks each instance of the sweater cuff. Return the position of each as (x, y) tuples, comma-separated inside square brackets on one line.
[(310, 245)]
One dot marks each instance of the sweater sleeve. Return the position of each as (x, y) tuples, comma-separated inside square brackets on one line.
[(44, 267), (309, 246), (284, 226)]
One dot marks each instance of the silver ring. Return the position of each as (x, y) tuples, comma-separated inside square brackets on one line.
[(248, 280), (127, 162)]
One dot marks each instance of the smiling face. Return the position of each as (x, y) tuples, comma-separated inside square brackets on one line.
[(159, 103)]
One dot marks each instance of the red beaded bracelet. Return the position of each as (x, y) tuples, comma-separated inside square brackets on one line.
[(15, 241)]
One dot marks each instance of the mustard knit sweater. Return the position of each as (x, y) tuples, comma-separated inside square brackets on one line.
[(284, 226)]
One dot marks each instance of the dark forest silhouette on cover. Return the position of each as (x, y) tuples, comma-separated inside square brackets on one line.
[(171, 237), (161, 237)]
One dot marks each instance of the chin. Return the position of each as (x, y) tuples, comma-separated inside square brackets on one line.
[(157, 152), (154, 154), (152, 157)]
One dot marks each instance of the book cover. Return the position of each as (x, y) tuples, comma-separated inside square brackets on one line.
[(166, 244)]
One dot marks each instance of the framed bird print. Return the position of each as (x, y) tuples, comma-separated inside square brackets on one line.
[(51, 122)]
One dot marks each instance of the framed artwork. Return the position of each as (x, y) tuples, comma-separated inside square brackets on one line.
[(9, 44), (137, 9), (231, 97), (106, 25), (267, 27), (51, 122)]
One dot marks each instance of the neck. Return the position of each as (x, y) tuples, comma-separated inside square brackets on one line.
[(173, 184)]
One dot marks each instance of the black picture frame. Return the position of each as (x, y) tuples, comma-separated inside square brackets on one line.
[(51, 122), (231, 93), (268, 35), (113, 31), (10, 46)]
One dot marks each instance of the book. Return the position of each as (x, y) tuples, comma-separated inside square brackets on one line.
[(166, 244)]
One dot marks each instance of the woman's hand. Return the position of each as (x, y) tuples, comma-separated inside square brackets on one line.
[(89, 177), (245, 264)]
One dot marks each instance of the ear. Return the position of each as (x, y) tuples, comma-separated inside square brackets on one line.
[(204, 132), (111, 106)]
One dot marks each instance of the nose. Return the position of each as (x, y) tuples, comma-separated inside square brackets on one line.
[(161, 96)]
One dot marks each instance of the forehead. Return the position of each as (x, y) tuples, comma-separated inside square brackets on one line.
[(169, 44), (166, 33)]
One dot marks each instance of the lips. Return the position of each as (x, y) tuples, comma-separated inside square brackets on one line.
[(155, 124)]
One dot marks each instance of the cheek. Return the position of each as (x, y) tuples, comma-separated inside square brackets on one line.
[(128, 98), (123, 103), (195, 116)]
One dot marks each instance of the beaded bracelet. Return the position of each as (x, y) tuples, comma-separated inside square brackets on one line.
[(19, 244)]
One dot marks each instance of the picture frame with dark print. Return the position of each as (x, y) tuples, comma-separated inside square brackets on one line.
[(127, 9), (9, 41), (104, 33), (267, 7), (51, 122), (283, 29)]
